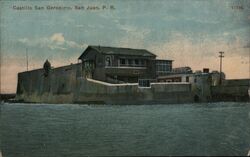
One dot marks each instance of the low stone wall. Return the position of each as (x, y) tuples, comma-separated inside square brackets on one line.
[(101, 92)]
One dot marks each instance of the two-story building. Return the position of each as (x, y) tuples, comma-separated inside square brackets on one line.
[(121, 65)]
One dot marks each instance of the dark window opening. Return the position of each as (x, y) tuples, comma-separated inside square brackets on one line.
[(144, 83), (136, 62), (122, 61)]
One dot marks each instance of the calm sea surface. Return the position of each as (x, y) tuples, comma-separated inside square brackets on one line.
[(30, 130)]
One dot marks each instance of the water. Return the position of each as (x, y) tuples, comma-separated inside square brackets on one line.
[(31, 130)]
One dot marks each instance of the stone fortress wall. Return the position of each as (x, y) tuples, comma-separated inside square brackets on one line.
[(67, 85)]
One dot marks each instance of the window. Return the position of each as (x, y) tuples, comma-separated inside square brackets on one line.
[(132, 62), (122, 61), (136, 62), (144, 83), (87, 64), (187, 79), (163, 66)]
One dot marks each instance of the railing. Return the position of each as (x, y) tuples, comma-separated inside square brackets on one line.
[(132, 65), (127, 67)]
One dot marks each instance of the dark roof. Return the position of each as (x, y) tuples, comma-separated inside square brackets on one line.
[(121, 51)]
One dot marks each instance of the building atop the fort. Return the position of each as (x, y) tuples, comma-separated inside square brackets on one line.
[(119, 65)]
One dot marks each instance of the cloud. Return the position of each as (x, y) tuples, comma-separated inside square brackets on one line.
[(56, 41), (36, 42), (73, 44), (23, 40), (79, 26), (58, 38), (53, 47)]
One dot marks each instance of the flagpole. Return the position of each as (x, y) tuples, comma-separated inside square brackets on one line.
[(27, 59)]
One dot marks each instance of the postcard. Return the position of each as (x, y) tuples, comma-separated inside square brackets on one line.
[(124, 77)]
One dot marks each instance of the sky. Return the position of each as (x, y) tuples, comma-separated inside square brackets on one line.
[(190, 32)]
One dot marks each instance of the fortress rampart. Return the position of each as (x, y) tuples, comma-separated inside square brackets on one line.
[(67, 85)]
